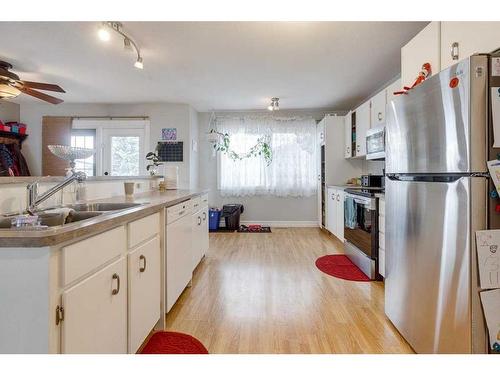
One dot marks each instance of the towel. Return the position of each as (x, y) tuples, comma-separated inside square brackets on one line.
[(350, 213)]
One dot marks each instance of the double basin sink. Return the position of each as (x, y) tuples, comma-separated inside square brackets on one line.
[(78, 212)]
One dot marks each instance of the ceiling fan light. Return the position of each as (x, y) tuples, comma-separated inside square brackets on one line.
[(8, 92), (139, 64), (103, 34)]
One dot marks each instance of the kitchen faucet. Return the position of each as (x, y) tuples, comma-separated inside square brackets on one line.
[(34, 200)]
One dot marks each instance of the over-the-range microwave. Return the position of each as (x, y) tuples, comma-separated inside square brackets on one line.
[(375, 143)]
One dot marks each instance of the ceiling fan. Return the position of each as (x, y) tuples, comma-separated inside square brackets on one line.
[(11, 86)]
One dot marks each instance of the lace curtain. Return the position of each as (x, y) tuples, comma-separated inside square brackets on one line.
[(292, 172)]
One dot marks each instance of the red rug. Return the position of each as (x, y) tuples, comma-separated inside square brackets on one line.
[(173, 343), (340, 266)]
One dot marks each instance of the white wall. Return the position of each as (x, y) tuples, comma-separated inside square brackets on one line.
[(161, 115), (9, 111), (261, 208)]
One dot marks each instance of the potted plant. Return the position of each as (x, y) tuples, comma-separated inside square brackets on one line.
[(154, 160)]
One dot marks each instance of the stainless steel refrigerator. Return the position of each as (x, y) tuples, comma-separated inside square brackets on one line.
[(436, 198)]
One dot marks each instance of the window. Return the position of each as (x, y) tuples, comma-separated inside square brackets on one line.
[(84, 138), (293, 169), (120, 146)]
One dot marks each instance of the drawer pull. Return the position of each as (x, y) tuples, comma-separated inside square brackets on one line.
[(117, 290), (143, 268), (181, 212)]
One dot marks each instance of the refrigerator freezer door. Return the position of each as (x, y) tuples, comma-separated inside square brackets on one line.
[(428, 256), (440, 126)]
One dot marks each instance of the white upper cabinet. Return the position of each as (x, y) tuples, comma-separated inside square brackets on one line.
[(392, 88), (462, 39), (362, 125), (423, 48), (348, 135), (320, 132), (378, 108)]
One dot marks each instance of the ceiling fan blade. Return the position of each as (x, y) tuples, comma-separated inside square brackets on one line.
[(42, 86), (41, 95)]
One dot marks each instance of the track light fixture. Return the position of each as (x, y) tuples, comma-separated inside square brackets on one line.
[(275, 105), (128, 42)]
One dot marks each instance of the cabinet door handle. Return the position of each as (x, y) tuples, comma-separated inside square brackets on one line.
[(204, 216), (379, 116), (199, 220), (181, 212), (117, 290), (143, 268), (454, 51), (338, 197)]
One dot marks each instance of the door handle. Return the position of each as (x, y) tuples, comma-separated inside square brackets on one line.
[(143, 268), (454, 51), (117, 290)]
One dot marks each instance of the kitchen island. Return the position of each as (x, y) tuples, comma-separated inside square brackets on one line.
[(97, 285)]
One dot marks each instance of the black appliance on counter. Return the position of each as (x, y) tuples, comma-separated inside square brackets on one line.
[(372, 180), (361, 226)]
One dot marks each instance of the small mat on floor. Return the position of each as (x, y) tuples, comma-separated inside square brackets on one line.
[(254, 229), (165, 342), (340, 266)]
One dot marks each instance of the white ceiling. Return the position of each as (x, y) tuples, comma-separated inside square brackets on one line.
[(212, 65)]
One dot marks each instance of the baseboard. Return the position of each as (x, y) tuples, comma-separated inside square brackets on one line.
[(283, 224)]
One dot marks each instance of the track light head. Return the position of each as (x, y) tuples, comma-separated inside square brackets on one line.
[(139, 64)]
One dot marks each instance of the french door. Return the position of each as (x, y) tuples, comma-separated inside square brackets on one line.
[(123, 152)]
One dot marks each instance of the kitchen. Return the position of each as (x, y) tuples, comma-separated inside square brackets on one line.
[(99, 258)]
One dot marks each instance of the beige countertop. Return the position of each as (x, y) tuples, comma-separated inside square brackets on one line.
[(151, 202)]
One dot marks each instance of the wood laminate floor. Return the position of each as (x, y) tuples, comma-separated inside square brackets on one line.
[(262, 293)]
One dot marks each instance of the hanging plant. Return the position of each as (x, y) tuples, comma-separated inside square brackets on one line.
[(262, 148)]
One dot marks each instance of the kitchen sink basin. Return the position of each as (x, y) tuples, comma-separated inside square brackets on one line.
[(85, 207), (54, 219)]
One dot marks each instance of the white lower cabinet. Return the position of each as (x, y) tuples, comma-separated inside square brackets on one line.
[(179, 254), (144, 267), (335, 212), (95, 312), (381, 237)]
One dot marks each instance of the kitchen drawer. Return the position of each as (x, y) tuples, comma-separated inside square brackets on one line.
[(196, 204), (381, 262), (381, 240), (381, 224), (85, 256), (179, 210), (204, 200), (143, 229)]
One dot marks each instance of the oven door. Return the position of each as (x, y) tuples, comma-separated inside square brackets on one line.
[(360, 223), (375, 144)]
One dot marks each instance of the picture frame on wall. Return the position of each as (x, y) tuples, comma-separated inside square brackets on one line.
[(169, 134)]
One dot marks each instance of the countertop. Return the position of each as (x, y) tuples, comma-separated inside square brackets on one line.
[(45, 179), (151, 202)]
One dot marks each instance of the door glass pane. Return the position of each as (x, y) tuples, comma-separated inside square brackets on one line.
[(125, 155), (84, 139)]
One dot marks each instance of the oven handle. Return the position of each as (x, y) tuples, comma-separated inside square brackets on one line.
[(357, 200)]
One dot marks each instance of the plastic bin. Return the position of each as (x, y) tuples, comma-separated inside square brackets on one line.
[(214, 218), (231, 214)]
